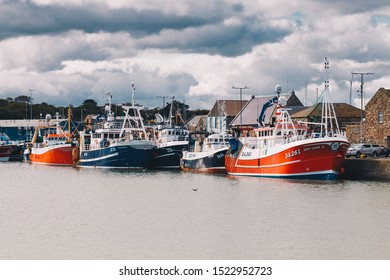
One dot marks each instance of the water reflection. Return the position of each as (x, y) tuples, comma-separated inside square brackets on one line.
[(68, 213)]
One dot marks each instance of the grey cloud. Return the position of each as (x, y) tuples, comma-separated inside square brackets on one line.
[(25, 18), (356, 6), (198, 32), (230, 40)]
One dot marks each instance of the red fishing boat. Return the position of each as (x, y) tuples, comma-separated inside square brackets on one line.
[(54, 149), (290, 149)]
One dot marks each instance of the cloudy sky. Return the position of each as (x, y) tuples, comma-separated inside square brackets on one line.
[(71, 50)]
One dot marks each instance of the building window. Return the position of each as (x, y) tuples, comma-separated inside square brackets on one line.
[(380, 117)]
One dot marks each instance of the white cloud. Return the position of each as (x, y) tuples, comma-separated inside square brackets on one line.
[(199, 62)]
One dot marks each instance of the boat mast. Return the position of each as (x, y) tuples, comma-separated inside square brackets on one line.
[(329, 120), (57, 123), (69, 114), (170, 113), (135, 121), (132, 93), (221, 105)]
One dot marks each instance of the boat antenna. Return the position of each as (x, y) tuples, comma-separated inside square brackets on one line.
[(108, 107), (132, 93), (326, 65)]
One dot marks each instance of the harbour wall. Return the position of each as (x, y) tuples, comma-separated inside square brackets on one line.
[(366, 169)]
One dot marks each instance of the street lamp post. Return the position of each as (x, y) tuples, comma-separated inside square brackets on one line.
[(240, 88), (31, 91), (361, 101), (163, 103)]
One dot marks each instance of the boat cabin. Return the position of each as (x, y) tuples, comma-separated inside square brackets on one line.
[(215, 141), (173, 134), (55, 139)]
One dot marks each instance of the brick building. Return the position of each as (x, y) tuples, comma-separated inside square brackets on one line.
[(376, 126)]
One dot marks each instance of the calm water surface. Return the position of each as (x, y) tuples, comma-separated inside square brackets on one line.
[(68, 213)]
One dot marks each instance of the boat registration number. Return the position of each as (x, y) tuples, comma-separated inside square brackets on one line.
[(293, 153)]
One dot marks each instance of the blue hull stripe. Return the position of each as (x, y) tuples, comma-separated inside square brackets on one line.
[(117, 157), (99, 158)]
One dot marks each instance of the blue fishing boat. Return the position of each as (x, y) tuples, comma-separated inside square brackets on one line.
[(172, 138), (116, 142)]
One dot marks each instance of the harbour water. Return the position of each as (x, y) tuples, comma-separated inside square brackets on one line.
[(69, 213)]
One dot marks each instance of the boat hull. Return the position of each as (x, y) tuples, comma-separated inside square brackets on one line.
[(168, 156), (306, 159), (60, 154), (207, 162), (11, 152), (126, 156)]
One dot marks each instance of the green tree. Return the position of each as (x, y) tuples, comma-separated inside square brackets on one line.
[(89, 102), (90, 106), (23, 99)]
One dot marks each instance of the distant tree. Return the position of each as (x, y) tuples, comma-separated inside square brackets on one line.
[(16, 111), (3, 102), (90, 102), (9, 99), (3, 113), (90, 106), (23, 99)]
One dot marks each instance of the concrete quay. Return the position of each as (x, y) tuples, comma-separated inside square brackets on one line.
[(366, 169)]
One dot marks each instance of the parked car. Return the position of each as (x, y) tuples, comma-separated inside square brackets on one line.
[(384, 152), (363, 149)]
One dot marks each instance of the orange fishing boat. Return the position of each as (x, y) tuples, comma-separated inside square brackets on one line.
[(55, 148)]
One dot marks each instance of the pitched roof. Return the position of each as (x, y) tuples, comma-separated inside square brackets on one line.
[(194, 120), (343, 110), (232, 107), (251, 111), (381, 93)]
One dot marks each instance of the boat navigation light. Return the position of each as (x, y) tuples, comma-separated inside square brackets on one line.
[(282, 101)]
